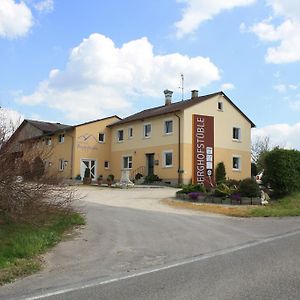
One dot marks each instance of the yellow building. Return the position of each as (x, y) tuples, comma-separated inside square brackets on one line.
[(179, 142)]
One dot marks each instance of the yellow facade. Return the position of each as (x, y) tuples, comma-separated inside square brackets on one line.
[(107, 147)]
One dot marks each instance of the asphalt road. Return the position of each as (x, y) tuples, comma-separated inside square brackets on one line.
[(267, 270), (122, 241)]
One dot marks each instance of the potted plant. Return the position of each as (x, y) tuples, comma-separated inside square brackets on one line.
[(100, 179), (110, 179), (87, 176)]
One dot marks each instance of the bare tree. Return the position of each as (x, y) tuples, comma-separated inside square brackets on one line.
[(35, 194), (260, 145)]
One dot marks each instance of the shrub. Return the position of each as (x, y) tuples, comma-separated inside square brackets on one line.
[(233, 183), (223, 190), (138, 176), (38, 168), (220, 173), (189, 188), (152, 178), (249, 188), (111, 177), (282, 171), (25, 170), (194, 195)]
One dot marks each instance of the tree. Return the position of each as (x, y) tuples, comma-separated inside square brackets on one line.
[(282, 171), (220, 173), (259, 146), (38, 168)]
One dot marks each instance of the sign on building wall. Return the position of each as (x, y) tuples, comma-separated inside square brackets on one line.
[(203, 149)]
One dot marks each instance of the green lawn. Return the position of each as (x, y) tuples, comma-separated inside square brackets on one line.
[(287, 206), (22, 243)]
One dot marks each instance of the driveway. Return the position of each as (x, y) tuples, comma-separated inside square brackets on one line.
[(129, 231)]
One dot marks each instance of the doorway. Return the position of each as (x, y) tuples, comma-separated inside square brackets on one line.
[(88, 163), (150, 164)]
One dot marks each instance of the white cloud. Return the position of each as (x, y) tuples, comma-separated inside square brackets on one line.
[(284, 135), (286, 35), (15, 19), (198, 11), (281, 88), (227, 86), (101, 79), (45, 6)]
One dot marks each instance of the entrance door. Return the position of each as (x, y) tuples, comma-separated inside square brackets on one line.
[(88, 163), (150, 163)]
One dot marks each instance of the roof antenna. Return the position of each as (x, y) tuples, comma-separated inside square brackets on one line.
[(182, 87)]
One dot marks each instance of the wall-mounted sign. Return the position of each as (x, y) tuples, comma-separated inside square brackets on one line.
[(203, 149), (87, 142)]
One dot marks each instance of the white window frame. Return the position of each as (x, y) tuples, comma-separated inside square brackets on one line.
[(164, 159), (239, 163), (101, 142), (61, 165), (165, 127), (130, 136), (108, 165), (130, 161), (61, 138), (239, 134), (48, 141), (222, 106), (118, 137), (144, 130)]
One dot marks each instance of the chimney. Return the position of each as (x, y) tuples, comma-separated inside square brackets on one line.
[(168, 97), (194, 94)]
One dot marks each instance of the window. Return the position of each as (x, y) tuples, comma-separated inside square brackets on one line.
[(220, 106), (101, 137), (61, 138), (147, 130), (48, 141), (61, 165), (120, 135), (130, 132), (127, 162), (168, 159), (168, 127), (236, 163), (106, 164), (236, 133)]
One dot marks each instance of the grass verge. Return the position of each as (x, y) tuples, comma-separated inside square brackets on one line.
[(21, 244), (287, 206)]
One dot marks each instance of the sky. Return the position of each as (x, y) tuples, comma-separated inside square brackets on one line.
[(74, 61)]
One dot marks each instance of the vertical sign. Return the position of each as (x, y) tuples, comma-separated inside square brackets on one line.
[(203, 149)]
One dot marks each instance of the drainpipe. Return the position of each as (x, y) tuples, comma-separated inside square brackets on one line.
[(179, 152)]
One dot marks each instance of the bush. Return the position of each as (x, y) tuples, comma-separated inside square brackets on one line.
[(249, 188), (152, 178), (194, 195), (138, 176), (189, 188), (110, 177), (38, 168), (220, 173), (25, 170), (223, 190), (282, 171)]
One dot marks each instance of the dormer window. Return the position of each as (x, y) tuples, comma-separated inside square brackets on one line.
[(61, 138), (220, 105)]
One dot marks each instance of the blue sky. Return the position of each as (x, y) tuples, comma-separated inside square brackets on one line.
[(76, 61)]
